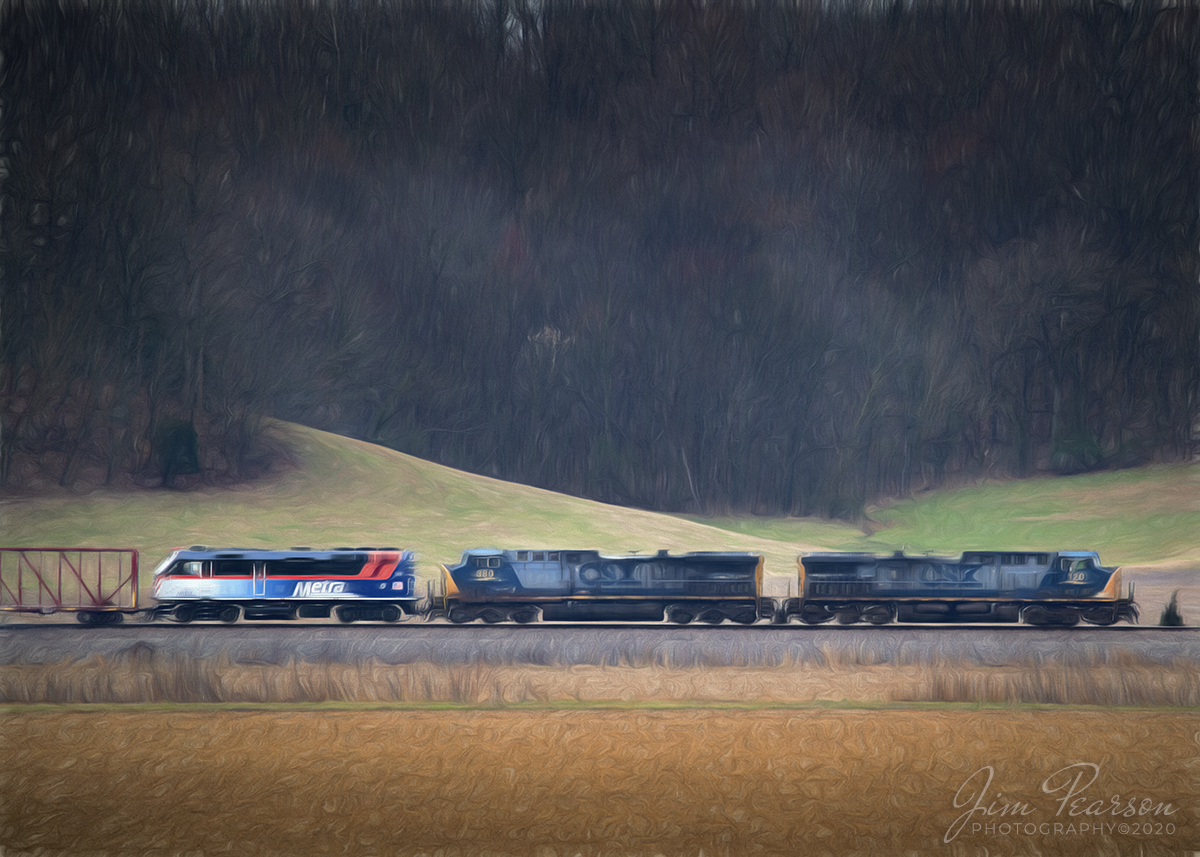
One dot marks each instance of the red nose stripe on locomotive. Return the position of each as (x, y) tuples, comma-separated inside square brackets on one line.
[(380, 565)]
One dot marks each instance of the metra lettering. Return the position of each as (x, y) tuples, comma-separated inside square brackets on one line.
[(309, 588)]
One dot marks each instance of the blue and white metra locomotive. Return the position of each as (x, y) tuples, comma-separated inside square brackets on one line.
[(230, 583)]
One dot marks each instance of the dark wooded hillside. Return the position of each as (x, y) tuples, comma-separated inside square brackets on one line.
[(769, 256)]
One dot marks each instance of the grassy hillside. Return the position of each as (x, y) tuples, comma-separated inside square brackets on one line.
[(1146, 519), (345, 492), (1146, 516)]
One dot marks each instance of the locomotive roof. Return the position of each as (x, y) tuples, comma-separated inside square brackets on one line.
[(863, 556), (508, 552), (202, 552)]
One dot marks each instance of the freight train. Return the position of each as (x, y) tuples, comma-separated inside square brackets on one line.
[(492, 585), (1054, 588)]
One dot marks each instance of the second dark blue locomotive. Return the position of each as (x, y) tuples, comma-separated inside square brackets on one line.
[(1039, 588)]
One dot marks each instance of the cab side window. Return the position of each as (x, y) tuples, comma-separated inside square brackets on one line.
[(232, 568)]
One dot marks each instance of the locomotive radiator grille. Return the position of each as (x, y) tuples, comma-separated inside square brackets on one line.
[(840, 588)]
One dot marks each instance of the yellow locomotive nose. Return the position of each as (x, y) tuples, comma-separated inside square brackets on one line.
[(449, 587)]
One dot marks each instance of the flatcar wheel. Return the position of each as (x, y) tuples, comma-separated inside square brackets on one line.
[(230, 614), (390, 613), (86, 617)]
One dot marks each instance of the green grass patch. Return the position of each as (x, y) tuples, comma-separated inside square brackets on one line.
[(1139, 516), (1146, 515)]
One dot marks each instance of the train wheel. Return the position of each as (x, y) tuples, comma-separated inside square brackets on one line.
[(184, 613), (459, 616), (1101, 617), (346, 615), (878, 614), (492, 617), (390, 613), (525, 615), (680, 616), (712, 617), (849, 616), (230, 614), (814, 614)]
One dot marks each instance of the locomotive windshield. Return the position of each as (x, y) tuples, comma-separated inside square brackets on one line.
[(1075, 565)]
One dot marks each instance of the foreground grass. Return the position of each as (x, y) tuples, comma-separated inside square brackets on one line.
[(141, 676)]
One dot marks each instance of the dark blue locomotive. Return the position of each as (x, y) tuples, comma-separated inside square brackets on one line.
[(1039, 588), (584, 585), (226, 584)]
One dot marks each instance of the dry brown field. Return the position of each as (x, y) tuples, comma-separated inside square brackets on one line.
[(177, 781), (176, 743)]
